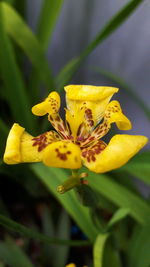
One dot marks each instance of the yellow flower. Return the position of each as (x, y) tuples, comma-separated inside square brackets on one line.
[(77, 140)]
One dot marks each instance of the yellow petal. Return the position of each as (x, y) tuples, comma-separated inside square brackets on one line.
[(12, 153), (62, 154), (28, 151), (23, 147), (71, 265), (114, 113), (32, 148), (118, 152), (74, 121), (89, 92), (87, 103), (50, 105)]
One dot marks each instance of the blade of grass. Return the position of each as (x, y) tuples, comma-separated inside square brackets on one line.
[(139, 170), (13, 255), (63, 232), (30, 233), (119, 215), (52, 177), (10, 2), (111, 254), (67, 72), (22, 35), (139, 167), (48, 17), (122, 197), (11, 75), (3, 128), (129, 90), (98, 251), (49, 13), (138, 250)]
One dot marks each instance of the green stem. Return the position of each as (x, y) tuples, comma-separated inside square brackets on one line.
[(69, 184), (75, 173), (30, 233)]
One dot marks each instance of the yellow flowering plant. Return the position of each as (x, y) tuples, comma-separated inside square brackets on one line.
[(110, 216), (77, 140)]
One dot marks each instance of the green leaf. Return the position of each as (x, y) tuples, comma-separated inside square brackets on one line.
[(111, 255), (3, 128), (22, 35), (139, 170), (30, 233), (142, 157), (128, 89), (48, 17), (53, 177), (121, 196), (138, 250), (10, 2), (66, 74), (118, 216), (11, 75), (52, 254), (98, 251), (63, 232), (12, 255), (139, 167)]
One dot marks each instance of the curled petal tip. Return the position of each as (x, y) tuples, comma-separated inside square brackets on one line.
[(50, 105), (12, 153)]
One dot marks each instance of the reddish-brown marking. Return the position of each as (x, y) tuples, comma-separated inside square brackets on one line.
[(44, 140), (62, 156), (60, 128), (57, 118), (91, 152)]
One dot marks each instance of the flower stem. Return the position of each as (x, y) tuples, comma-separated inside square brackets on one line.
[(70, 183)]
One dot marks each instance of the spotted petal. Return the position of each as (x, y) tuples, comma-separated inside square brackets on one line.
[(92, 100), (23, 147), (62, 154), (113, 114), (50, 105), (118, 152)]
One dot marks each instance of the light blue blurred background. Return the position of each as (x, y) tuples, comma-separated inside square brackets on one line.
[(125, 53)]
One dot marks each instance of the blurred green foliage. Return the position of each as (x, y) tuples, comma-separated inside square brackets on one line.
[(125, 237)]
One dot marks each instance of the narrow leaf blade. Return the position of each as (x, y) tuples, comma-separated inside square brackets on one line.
[(48, 17), (11, 75), (98, 251), (53, 177), (121, 196), (22, 35)]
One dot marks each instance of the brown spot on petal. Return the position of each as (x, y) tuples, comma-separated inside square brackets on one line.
[(90, 152), (43, 140), (62, 156)]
